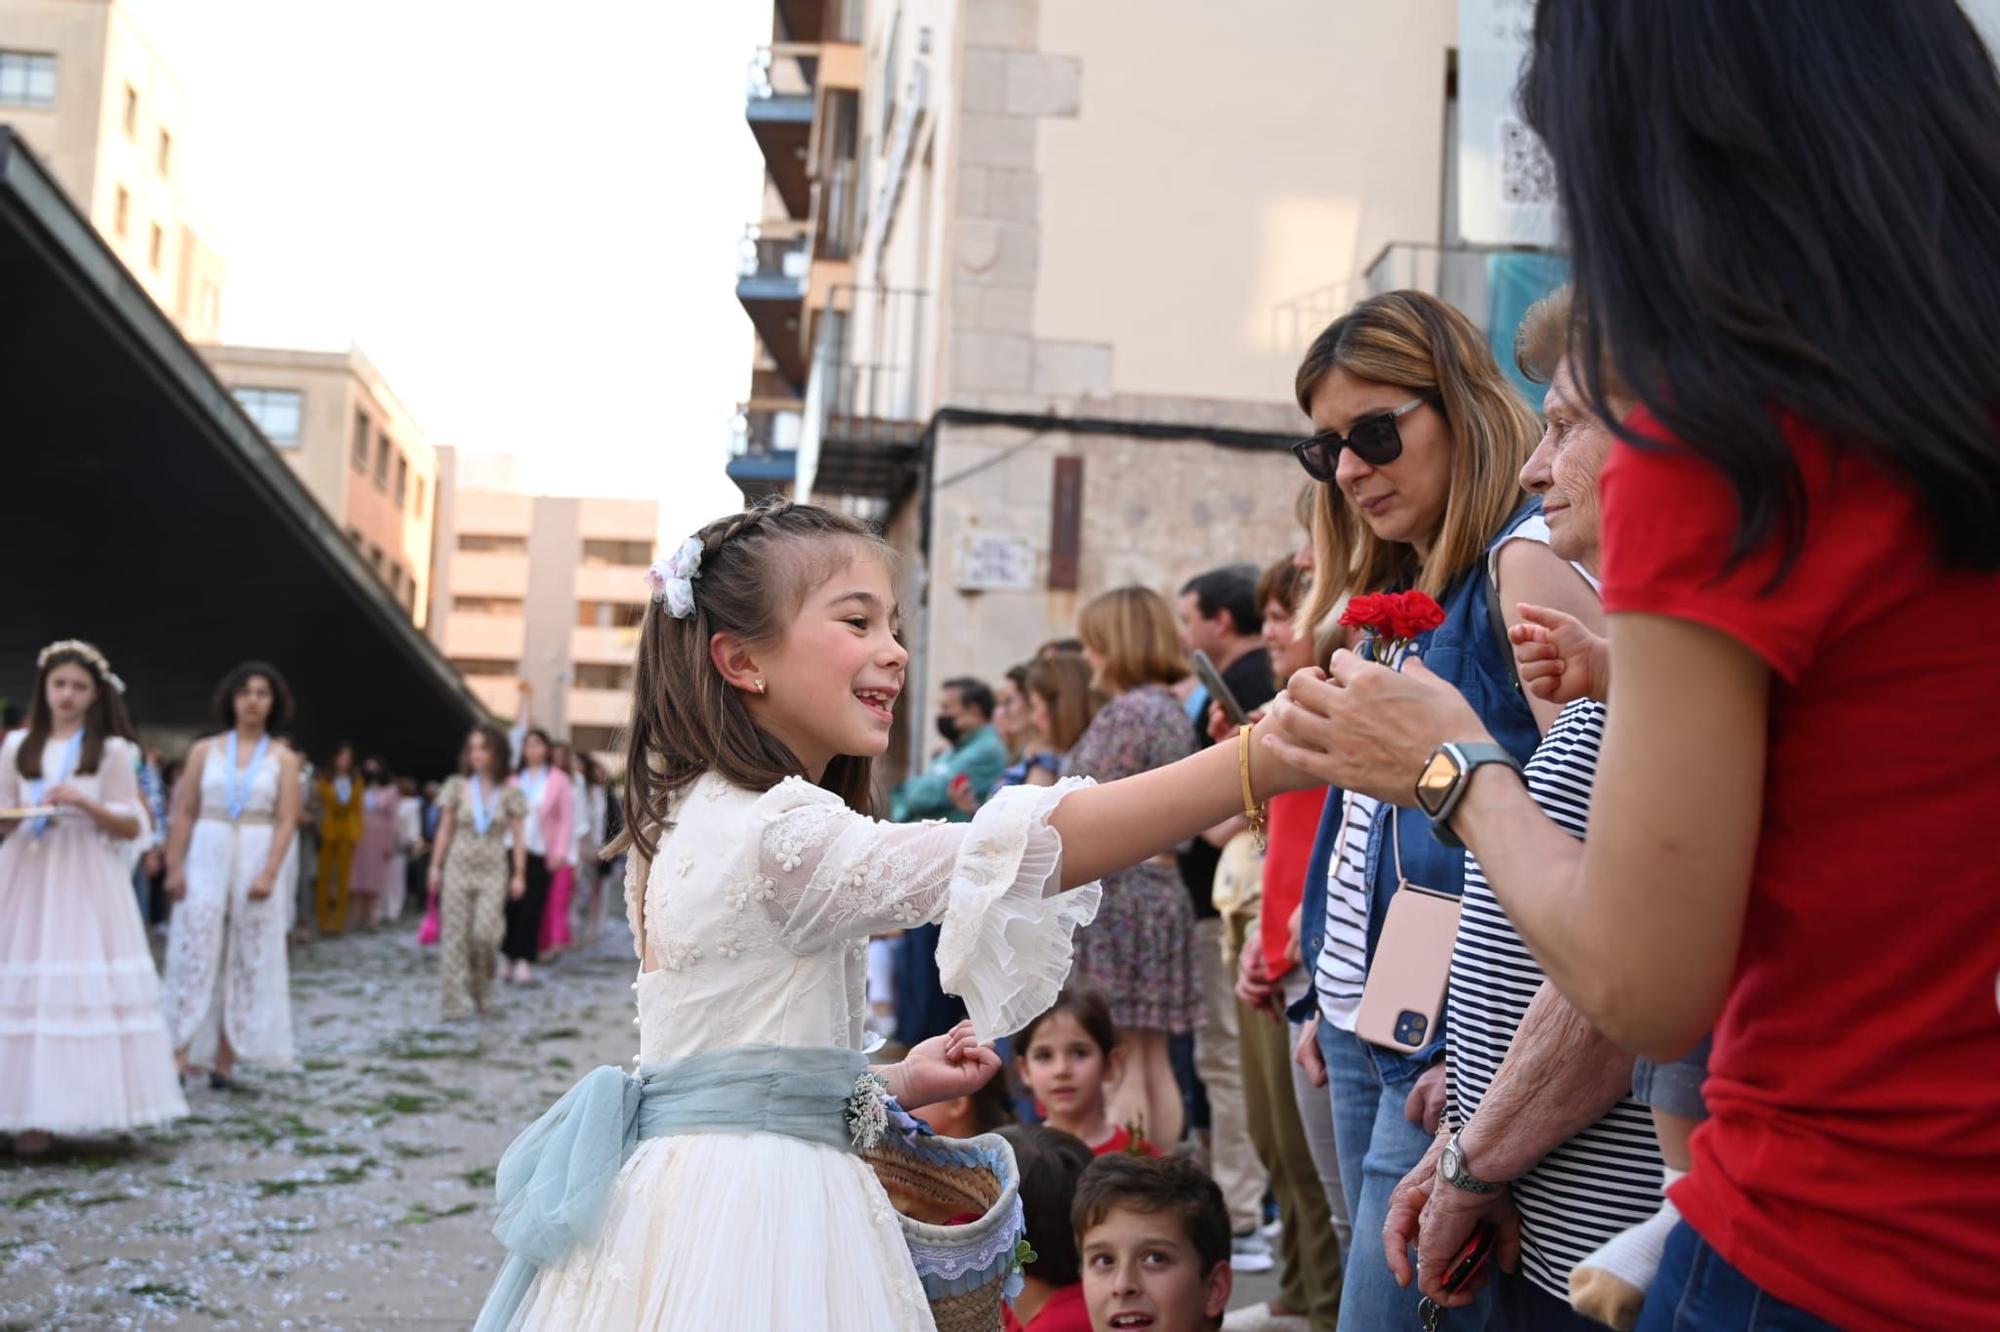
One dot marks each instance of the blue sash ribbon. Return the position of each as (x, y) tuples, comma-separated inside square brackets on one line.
[(482, 813), (72, 751), (235, 798), (555, 1183)]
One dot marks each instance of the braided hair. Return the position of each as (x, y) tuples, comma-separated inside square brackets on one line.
[(757, 568)]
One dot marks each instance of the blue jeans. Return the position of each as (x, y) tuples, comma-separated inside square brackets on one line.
[(1675, 1086), (1377, 1147), (1696, 1291)]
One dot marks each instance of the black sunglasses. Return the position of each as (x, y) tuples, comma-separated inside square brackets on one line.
[(1374, 439)]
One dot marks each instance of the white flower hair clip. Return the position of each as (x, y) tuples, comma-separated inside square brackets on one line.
[(672, 578)]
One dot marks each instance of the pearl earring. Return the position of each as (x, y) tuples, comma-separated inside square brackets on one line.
[(760, 684)]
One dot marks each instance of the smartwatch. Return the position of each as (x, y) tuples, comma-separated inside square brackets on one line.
[(1444, 780)]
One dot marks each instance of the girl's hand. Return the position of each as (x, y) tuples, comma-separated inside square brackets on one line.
[(65, 795), (1558, 659), (1363, 727), (177, 884), (261, 886), (943, 1067), (433, 875), (517, 887), (1306, 1053), (1253, 983)]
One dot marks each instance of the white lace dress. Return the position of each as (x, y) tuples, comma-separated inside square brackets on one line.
[(226, 963), (758, 908), (82, 1048)]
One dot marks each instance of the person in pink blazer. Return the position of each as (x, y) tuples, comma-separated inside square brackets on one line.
[(551, 835)]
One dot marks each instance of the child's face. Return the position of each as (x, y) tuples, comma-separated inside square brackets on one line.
[(1065, 1069), (831, 682), (952, 1119), (1139, 1270)]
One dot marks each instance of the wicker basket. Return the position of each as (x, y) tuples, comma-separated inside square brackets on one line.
[(929, 1180)]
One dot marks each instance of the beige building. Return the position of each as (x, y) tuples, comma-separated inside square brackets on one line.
[(93, 100), (334, 419), (1034, 277), (544, 589)]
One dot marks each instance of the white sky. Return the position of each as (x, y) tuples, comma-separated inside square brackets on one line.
[(528, 224)]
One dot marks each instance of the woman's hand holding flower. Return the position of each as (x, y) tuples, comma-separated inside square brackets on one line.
[(1363, 727)]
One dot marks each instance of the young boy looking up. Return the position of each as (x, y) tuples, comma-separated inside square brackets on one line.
[(1154, 1235)]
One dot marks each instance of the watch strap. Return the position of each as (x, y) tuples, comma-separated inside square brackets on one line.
[(1468, 758), (1452, 1164)]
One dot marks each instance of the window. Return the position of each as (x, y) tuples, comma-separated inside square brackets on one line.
[(382, 448), (121, 216), (510, 545), (395, 577), (486, 666), (594, 739), (164, 158), (402, 479), (418, 507), (360, 441), (27, 79), (276, 411), (354, 536), (488, 605), (590, 675), (375, 556), (153, 246), (131, 112), (633, 554), (609, 614)]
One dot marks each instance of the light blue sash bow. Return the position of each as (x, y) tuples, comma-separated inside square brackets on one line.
[(555, 1182)]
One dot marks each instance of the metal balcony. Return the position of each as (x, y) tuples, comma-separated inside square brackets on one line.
[(772, 275), (764, 449), (779, 108), (866, 416)]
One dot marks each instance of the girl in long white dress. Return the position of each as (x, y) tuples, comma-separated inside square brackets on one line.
[(82, 1047), (681, 1196), (231, 861)]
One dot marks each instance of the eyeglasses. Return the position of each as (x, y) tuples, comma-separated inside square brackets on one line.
[(1374, 439)]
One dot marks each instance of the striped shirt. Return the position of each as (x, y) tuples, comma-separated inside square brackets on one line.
[(1606, 1178), (1343, 958)]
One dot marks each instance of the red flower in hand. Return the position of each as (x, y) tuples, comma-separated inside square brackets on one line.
[(1393, 620), (1414, 613), (1372, 612)]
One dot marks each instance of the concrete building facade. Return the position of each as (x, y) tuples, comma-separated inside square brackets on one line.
[(1048, 270), (96, 104), (334, 419), (543, 589)]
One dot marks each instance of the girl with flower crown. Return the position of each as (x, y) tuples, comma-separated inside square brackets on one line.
[(83, 1048), (768, 670)]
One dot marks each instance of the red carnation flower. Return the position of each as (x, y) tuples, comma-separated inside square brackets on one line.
[(1413, 613), (1373, 612)]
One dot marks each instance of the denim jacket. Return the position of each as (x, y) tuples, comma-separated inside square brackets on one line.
[(1462, 651)]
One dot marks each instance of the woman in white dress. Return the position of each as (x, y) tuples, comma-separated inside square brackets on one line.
[(82, 1047), (232, 846), (718, 1187)]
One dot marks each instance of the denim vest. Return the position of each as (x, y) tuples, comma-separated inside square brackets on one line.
[(1464, 652)]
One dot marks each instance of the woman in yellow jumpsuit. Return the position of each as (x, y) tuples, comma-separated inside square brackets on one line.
[(340, 802)]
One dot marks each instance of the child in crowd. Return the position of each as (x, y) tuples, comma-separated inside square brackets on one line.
[(1068, 1057), (985, 1109), (1154, 1237), (1051, 1162)]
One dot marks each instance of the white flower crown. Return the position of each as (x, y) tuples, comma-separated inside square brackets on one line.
[(89, 652)]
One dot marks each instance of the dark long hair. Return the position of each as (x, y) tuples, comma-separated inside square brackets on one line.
[(497, 744), (281, 695), (1788, 206), (105, 717), (757, 567)]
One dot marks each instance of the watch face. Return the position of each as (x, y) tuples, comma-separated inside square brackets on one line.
[(1435, 782)]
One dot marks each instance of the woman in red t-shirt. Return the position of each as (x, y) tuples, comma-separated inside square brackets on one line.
[(1794, 260)]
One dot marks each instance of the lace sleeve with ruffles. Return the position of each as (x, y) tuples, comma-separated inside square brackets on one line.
[(828, 875)]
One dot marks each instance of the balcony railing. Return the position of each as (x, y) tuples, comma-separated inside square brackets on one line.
[(756, 431), (777, 264), (783, 72)]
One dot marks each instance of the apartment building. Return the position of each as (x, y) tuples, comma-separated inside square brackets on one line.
[(101, 110), (1032, 279), (544, 589), (334, 419)]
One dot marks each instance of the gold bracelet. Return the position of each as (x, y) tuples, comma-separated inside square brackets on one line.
[(1251, 809)]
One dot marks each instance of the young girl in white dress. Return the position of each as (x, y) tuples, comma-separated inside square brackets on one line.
[(231, 863), (717, 1188), (82, 1047)]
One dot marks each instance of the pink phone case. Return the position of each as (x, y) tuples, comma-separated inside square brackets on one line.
[(1404, 994)]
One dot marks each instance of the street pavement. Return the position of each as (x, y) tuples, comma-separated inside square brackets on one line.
[(352, 1192)]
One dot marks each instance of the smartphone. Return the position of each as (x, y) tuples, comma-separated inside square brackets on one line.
[(1471, 1258), (1403, 997), (1218, 690)]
